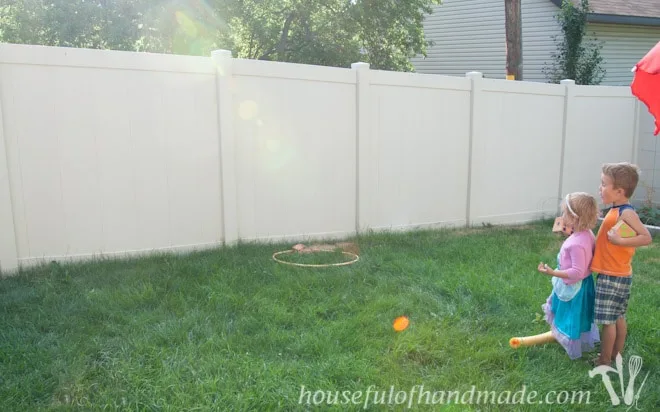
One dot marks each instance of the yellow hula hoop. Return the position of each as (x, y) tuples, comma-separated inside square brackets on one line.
[(309, 265)]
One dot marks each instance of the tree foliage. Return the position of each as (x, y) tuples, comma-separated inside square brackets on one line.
[(575, 58), (70, 23), (385, 33)]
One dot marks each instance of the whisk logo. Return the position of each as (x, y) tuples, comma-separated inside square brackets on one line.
[(628, 393)]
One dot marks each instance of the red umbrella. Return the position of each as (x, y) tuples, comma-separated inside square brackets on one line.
[(646, 83)]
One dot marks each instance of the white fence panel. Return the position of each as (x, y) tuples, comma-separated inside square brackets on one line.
[(648, 158), (109, 159), (105, 152), (600, 129), (516, 150), (295, 150), (420, 134)]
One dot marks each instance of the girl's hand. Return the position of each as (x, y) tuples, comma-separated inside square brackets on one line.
[(543, 268)]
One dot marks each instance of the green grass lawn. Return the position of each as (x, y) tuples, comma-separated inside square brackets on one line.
[(231, 329)]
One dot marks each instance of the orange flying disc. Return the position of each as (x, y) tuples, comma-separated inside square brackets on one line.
[(400, 323)]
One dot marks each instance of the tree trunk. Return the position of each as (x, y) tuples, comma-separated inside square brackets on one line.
[(513, 39), (280, 47)]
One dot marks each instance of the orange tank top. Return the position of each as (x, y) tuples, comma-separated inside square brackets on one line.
[(611, 259)]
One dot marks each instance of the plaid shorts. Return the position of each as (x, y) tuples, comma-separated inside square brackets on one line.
[(612, 294)]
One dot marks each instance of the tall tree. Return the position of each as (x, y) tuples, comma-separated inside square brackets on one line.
[(70, 23), (385, 33), (166, 26)]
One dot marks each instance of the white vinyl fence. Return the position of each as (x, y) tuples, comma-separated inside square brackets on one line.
[(117, 153)]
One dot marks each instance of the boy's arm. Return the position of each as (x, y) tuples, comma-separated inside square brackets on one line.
[(643, 237)]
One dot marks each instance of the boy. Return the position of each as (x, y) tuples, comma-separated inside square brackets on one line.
[(613, 256)]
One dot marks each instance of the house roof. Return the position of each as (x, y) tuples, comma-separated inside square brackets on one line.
[(641, 12), (638, 8)]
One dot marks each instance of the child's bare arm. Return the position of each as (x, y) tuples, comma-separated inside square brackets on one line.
[(543, 268), (577, 271), (643, 237)]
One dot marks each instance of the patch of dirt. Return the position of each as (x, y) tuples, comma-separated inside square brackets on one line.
[(326, 247)]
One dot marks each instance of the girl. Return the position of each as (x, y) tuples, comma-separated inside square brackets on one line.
[(570, 307)]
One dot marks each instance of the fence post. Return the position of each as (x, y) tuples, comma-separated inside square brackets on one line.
[(229, 198), (569, 92), (476, 78), (635, 153), (8, 251), (364, 153)]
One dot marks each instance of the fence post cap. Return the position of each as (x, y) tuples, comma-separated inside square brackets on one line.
[(221, 54), (474, 75), (360, 65)]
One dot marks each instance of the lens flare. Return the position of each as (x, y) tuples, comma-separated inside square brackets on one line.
[(193, 27), (248, 110), (186, 24), (273, 145)]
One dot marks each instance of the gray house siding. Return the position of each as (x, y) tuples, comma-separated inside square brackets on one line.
[(539, 28), (469, 35), (623, 46)]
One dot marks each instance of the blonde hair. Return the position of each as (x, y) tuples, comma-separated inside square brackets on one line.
[(582, 209), (624, 176)]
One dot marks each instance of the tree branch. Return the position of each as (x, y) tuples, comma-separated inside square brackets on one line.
[(281, 48), (267, 54)]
